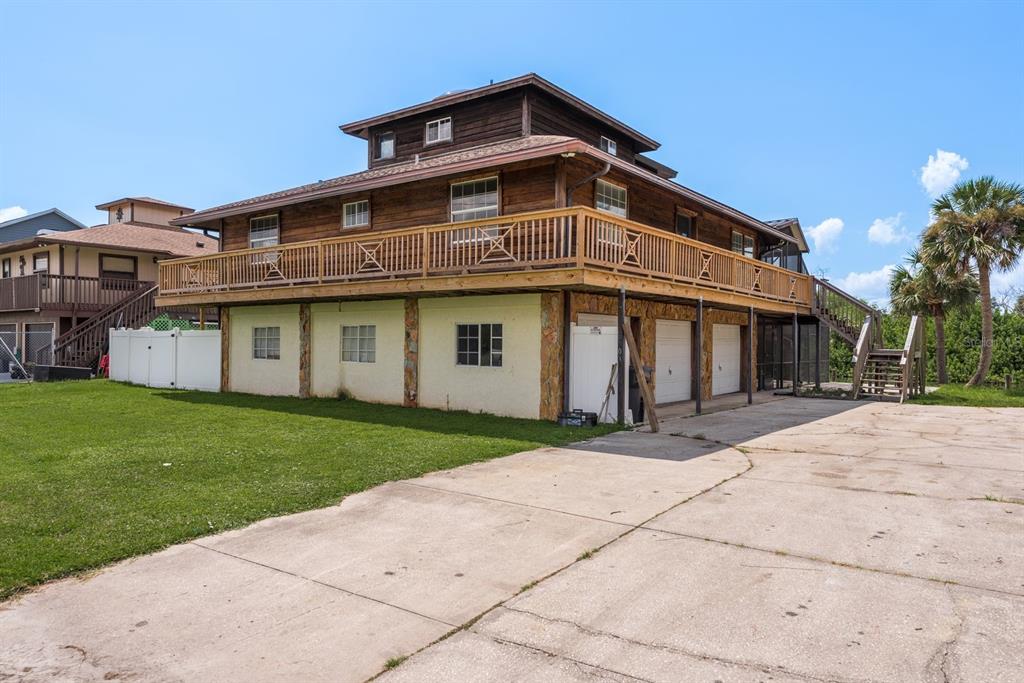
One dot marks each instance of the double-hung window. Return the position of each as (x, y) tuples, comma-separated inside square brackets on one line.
[(742, 244), (355, 214), (608, 145), (264, 231), (359, 343), (117, 272), (384, 146), (266, 343), (478, 344), (610, 198), (474, 199), (439, 131)]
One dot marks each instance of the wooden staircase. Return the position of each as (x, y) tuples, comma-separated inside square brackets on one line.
[(83, 344)]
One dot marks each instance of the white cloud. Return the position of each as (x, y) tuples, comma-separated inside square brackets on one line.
[(887, 230), (872, 286), (1008, 282), (825, 234), (942, 170), (12, 212)]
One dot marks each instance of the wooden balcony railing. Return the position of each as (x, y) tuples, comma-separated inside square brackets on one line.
[(43, 291), (575, 237)]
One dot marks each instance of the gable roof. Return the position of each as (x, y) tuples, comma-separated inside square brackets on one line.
[(142, 200), (791, 226), (124, 237), (360, 128), (452, 163), (40, 214)]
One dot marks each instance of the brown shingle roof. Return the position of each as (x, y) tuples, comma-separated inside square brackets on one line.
[(128, 238)]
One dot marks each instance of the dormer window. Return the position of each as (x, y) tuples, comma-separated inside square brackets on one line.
[(384, 146), (608, 145), (439, 131)]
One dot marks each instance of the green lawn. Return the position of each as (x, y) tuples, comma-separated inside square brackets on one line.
[(984, 397), (93, 472)]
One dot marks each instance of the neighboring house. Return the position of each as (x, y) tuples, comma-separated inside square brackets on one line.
[(59, 290), (51, 220), (477, 264)]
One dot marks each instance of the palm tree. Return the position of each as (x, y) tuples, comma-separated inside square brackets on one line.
[(918, 288), (978, 224)]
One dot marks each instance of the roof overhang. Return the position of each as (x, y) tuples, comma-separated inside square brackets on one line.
[(141, 200), (360, 128)]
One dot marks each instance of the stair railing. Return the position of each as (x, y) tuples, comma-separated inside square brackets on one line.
[(861, 351), (912, 360), (89, 337), (831, 302)]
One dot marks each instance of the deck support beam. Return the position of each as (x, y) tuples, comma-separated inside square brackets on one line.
[(796, 353), (750, 355), (620, 369), (699, 336)]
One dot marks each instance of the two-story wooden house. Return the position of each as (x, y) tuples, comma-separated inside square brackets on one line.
[(60, 291), (477, 264)]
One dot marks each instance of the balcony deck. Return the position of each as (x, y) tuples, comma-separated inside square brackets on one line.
[(577, 247), (44, 292)]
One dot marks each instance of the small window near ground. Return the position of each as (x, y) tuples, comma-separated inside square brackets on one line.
[(356, 214), (264, 231), (266, 343), (439, 131), (384, 146), (608, 145), (359, 343), (610, 198), (743, 244), (474, 199), (478, 344)]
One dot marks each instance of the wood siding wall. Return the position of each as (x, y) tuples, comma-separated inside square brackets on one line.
[(549, 116)]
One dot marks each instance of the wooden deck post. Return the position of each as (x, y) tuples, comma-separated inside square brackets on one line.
[(620, 369), (796, 353), (411, 362), (224, 320), (817, 355), (699, 336), (750, 355), (305, 350)]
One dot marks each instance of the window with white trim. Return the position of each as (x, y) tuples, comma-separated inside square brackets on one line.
[(359, 343), (478, 345), (384, 146), (474, 199), (742, 244), (439, 131), (608, 145), (355, 214), (266, 343), (41, 263), (610, 198), (264, 231)]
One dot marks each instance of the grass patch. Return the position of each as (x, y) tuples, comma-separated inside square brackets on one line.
[(982, 397), (93, 472), (394, 661)]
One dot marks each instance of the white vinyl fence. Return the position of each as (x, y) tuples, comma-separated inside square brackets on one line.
[(176, 359)]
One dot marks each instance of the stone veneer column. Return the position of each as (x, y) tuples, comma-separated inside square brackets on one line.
[(411, 362), (305, 350), (551, 350), (224, 321)]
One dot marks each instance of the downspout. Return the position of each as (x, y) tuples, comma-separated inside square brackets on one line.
[(590, 178)]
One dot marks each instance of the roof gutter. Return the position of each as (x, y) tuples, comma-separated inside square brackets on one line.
[(590, 178)]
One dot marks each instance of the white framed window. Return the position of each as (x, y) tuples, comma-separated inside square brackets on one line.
[(359, 343), (384, 145), (610, 198), (478, 344), (355, 214), (474, 199), (264, 231), (266, 343), (439, 131), (608, 145), (742, 244)]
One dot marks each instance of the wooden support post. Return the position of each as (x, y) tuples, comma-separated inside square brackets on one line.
[(796, 353), (202, 317), (645, 389), (305, 350), (411, 365), (224, 318), (817, 356), (620, 370), (699, 336), (750, 355)]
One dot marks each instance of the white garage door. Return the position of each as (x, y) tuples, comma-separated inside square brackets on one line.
[(672, 361), (725, 374)]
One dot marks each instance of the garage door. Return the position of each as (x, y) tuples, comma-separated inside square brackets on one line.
[(725, 374), (672, 361)]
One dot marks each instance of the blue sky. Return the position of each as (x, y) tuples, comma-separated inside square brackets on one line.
[(844, 115)]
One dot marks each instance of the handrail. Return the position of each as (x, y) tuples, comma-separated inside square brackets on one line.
[(85, 338), (860, 353), (829, 299), (572, 237), (911, 359), (43, 290)]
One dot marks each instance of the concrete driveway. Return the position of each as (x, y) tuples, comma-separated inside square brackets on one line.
[(796, 540)]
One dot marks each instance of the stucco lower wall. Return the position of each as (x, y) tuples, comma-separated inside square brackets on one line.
[(258, 376), (381, 381), (514, 388)]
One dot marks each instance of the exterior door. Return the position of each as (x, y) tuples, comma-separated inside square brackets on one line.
[(672, 377), (593, 353), (726, 363)]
